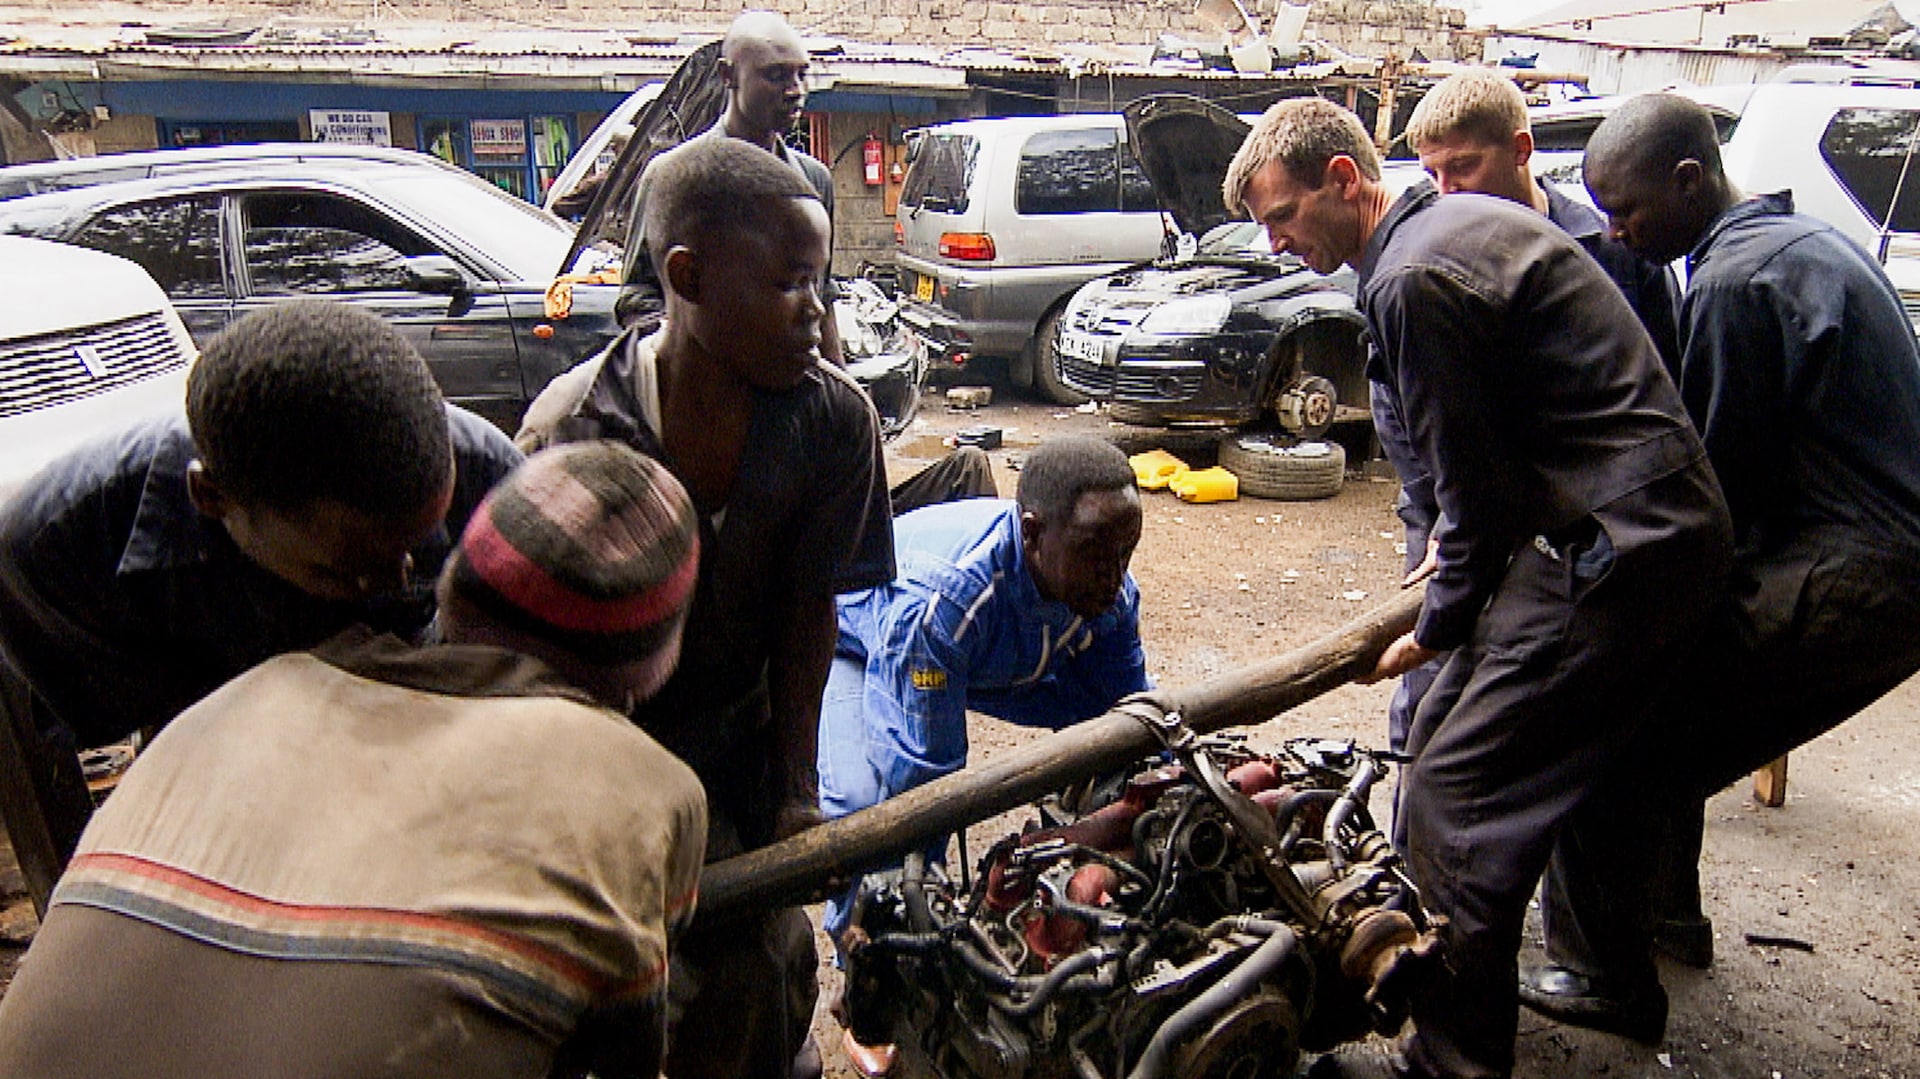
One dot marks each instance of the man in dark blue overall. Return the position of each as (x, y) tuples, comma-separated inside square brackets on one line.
[(1582, 543), (1800, 369)]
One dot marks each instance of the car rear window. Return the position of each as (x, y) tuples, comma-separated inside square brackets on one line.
[(1081, 171), (941, 173), (1872, 152)]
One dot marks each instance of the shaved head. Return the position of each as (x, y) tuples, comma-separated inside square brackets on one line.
[(1652, 133), (758, 29), (1654, 166)]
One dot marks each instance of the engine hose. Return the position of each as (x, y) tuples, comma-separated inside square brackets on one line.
[(1236, 985), (1099, 918), (919, 914), (1151, 908), (1350, 801), (1284, 813), (1057, 980)]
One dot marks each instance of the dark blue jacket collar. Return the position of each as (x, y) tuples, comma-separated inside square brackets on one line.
[(1777, 203), (1411, 201)]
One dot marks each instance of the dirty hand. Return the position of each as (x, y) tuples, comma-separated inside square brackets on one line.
[(1426, 567), (1400, 657)]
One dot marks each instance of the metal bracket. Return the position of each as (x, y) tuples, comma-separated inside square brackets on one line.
[(1166, 726)]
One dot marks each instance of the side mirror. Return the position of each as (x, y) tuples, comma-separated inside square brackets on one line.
[(435, 273)]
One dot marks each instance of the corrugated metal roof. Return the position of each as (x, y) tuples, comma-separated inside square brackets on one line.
[(96, 41)]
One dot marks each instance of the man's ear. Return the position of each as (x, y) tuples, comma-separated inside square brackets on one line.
[(1688, 176), (206, 496), (1345, 172), (726, 69), (683, 273), (1030, 528), (1522, 148)]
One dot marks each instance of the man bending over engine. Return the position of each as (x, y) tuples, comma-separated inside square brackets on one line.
[(1023, 610)]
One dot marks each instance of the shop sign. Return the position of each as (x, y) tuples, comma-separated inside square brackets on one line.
[(502, 138), (351, 125)]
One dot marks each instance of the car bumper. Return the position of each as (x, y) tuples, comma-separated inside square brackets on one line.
[(1200, 380), (988, 311)]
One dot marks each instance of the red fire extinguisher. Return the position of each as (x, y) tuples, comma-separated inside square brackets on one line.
[(871, 157)]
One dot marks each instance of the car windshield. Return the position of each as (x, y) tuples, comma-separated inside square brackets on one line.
[(527, 241), (1235, 238)]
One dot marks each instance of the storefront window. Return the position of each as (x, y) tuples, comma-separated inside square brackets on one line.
[(520, 155), (228, 133)]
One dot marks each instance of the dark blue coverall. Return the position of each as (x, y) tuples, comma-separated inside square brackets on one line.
[(1582, 544)]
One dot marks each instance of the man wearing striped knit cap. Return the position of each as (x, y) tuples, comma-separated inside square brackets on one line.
[(377, 860)]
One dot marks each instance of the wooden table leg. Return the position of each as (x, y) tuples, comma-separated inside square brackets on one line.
[(1770, 783)]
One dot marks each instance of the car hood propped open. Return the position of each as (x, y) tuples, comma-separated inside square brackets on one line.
[(692, 102), (1185, 144)]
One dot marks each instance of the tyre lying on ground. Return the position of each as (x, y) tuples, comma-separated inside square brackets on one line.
[(1271, 464)]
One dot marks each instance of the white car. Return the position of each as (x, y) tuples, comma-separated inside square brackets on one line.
[(1844, 142), (88, 344)]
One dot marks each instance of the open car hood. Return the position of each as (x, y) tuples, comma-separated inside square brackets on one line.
[(1185, 144), (691, 102)]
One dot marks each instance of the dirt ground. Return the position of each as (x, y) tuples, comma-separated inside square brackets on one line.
[(1833, 870)]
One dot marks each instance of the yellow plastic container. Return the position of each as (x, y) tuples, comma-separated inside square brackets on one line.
[(1214, 484), (1156, 468)]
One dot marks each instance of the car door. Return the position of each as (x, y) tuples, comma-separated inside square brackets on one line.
[(177, 241), (337, 245)]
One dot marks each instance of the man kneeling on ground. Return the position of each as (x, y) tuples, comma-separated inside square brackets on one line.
[(376, 860)]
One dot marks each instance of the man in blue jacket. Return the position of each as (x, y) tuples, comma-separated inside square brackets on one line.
[(1023, 610), (1801, 371)]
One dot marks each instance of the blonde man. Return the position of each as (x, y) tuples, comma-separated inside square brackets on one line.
[(1473, 137)]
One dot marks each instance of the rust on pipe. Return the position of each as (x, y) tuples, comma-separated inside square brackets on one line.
[(797, 870)]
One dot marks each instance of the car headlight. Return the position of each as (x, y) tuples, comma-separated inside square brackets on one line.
[(1189, 314)]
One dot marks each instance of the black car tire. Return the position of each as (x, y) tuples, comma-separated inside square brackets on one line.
[(1279, 466), (1046, 364)]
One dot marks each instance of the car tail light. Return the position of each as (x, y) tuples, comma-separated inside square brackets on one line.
[(899, 233), (971, 246)]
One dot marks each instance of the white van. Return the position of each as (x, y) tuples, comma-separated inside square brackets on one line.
[(88, 344), (1001, 220)]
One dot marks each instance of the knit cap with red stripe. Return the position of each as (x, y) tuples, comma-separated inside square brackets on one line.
[(590, 546)]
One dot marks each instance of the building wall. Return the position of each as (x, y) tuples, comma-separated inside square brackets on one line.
[(1365, 27)]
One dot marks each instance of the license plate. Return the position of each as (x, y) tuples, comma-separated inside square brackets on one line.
[(1082, 347), (923, 289)]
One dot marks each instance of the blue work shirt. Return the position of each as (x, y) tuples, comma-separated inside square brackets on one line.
[(963, 626)]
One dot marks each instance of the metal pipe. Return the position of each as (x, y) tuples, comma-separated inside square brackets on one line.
[(797, 870)]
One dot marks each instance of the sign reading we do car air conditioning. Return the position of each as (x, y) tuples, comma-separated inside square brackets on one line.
[(351, 125)]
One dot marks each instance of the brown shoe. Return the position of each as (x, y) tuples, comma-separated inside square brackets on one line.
[(872, 1061)]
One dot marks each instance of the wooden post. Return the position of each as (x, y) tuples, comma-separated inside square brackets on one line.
[(1390, 69), (798, 869), (1770, 783)]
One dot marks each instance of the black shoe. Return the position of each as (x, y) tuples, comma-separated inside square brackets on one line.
[(1364, 1060), (1686, 941), (1573, 998)]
